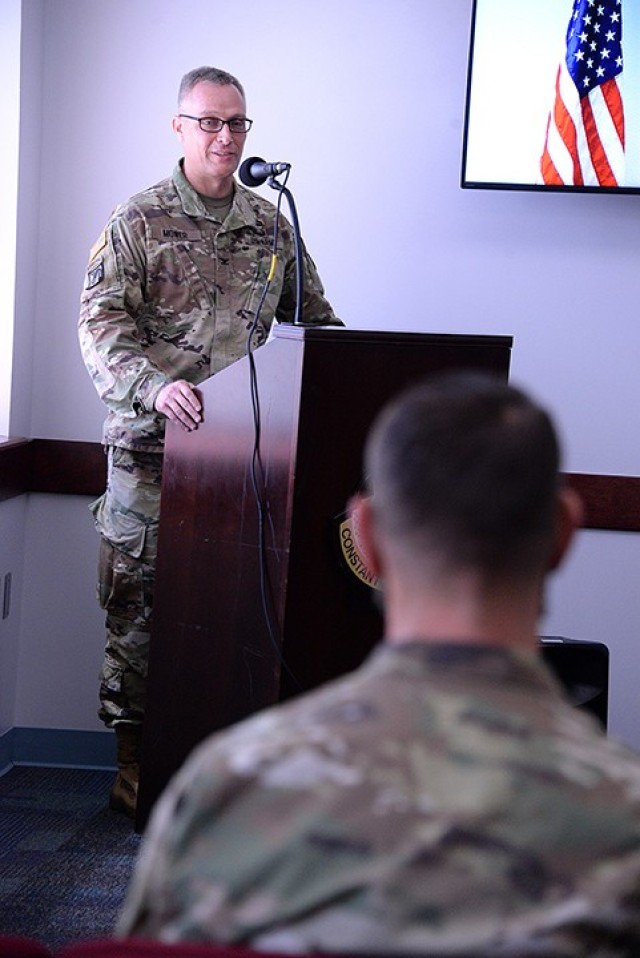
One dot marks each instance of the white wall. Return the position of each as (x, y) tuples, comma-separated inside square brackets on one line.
[(13, 512), (365, 98), (29, 216), (9, 123)]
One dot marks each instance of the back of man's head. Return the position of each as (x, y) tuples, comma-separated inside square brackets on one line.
[(464, 472)]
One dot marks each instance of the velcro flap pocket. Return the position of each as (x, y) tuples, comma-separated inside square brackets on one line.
[(124, 530)]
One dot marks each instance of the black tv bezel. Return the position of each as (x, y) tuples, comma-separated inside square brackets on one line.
[(467, 184)]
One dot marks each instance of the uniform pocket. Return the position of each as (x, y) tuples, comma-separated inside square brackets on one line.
[(125, 580), (123, 530)]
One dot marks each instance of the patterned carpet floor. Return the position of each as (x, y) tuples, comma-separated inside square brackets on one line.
[(65, 858)]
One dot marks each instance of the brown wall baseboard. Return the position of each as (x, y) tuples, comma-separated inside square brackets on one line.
[(79, 468)]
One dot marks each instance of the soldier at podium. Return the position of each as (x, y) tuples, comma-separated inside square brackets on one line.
[(172, 290), (444, 798)]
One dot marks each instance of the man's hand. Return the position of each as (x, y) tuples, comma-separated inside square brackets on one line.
[(179, 402)]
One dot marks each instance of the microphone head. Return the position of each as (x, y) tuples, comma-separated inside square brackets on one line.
[(245, 174)]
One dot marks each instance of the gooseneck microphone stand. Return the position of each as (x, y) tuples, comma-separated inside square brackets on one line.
[(298, 318)]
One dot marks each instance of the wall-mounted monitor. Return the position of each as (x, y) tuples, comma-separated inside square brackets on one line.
[(553, 96)]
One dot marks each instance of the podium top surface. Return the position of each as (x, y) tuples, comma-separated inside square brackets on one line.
[(345, 334)]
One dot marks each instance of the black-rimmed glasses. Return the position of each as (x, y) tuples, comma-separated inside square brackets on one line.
[(213, 124)]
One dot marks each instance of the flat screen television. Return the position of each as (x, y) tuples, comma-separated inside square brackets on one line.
[(553, 96)]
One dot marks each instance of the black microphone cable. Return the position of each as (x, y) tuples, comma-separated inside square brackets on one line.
[(257, 474)]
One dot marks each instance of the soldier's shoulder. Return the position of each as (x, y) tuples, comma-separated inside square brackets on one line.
[(161, 196)]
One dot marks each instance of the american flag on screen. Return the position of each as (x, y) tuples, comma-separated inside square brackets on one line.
[(584, 145)]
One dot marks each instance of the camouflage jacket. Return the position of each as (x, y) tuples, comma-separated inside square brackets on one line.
[(171, 293), (438, 801)]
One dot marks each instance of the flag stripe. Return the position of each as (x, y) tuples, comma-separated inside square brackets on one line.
[(611, 93), (597, 152), (565, 126), (585, 137)]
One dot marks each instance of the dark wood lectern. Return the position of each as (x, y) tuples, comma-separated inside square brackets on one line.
[(214, 659)]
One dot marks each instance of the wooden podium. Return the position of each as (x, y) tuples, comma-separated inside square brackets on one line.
[(214, 658)]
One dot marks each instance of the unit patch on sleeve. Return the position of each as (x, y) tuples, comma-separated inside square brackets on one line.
[(95, 274)]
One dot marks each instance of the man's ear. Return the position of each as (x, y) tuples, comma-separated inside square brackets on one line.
[(176, 126), (360, 512), (569, 517)]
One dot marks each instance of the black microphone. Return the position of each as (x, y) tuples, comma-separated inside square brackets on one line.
[(255, 172)]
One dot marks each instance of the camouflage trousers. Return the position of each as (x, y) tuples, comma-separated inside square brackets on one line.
[(127, 518)]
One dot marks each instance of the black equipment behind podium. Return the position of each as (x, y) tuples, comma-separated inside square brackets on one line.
[(583, 670)]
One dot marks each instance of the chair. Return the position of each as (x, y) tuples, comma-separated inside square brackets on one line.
[(17, 946), (143, 948)]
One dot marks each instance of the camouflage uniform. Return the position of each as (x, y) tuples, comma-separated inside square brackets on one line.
[(439, 800), (170, 293)]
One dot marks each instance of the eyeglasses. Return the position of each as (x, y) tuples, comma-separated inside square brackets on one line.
[(213, 124)]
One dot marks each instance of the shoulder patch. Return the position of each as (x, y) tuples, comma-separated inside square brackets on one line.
[(95, 275), (98, 246)]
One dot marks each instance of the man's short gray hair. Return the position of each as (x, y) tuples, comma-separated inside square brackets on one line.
[(210, 75)]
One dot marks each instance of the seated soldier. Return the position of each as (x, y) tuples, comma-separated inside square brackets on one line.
[(444, 798)]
